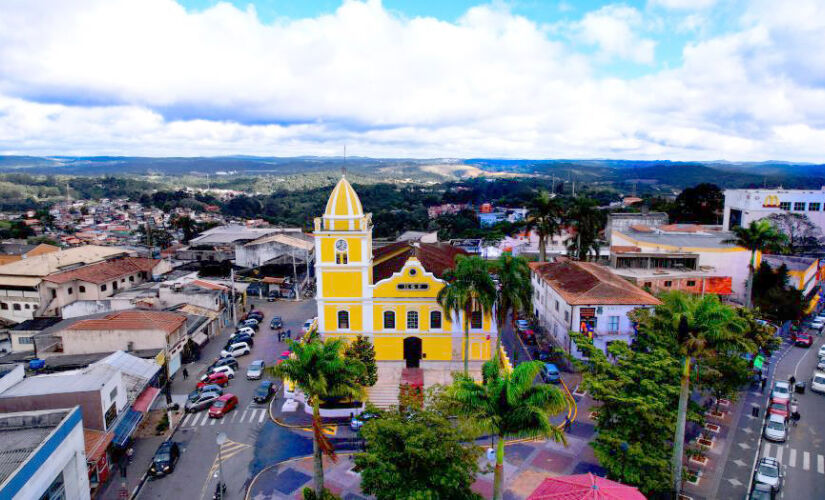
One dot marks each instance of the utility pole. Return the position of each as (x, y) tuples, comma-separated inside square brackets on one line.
[(232, 291), (296, 285)]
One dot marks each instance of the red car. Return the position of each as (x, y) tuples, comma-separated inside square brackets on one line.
[(779, 407), (218, 378), (804, 340), (223, 405), (529, 336)]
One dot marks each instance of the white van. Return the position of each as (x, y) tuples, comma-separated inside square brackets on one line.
[(235, 350), (818, 382)]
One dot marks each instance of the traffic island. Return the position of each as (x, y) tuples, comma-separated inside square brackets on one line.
[(296, 416)]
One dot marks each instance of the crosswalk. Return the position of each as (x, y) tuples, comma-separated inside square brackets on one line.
[(802, 459), (248, 416)]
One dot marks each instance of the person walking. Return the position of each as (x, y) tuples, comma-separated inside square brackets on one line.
[(185, 374), (289, 334), (762, 381), (794, 411), (792, 381), (280, 335)]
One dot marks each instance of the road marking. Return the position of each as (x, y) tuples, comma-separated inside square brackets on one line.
[(205, 418), (263, 415), (211, 420), (792, 458), (766, 452), (806, 461), (820, 464), (779, 451), (185, 419), (243, 416)]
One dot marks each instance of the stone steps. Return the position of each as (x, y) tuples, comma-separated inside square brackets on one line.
[(383, 395)]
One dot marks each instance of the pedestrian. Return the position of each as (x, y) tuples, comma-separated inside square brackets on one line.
[(792, 381), (289, 334), (762, 380), (280, 335), (567, 424), (185, 374), (130, 454), (795, 412)]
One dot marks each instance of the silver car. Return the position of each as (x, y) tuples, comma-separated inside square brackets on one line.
[(202, 402), (769, 471), (776, 429), (255, 370)]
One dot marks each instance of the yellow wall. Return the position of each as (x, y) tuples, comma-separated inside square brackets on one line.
[(356, 321), (342, 283), (328, 249), (389, 287)]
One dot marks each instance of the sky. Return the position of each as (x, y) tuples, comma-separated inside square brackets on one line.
[(645, 79)]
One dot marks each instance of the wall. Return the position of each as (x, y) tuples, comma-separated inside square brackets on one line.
[(92, 341), (12, 377), (87, 307), (23, 298), (751, 202), (89, 402)]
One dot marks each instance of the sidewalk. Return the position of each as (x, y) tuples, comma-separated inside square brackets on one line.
[(144, 451)]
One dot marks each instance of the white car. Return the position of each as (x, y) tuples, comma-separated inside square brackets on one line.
[(235, 350), (781, 390), (820, 365), (250, 321), (255, 370), (817, 325), (776, 428), (230, 373), (769, 471), (818, 382), (246, 330), (821, 352), (307, 325)]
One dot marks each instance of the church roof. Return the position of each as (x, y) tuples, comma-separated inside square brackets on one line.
[(435, 257), (344, 201)]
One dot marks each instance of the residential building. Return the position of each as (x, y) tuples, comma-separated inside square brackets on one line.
[(500, 214), (742, 206), (419, 236), (585, 297), (621, 221), (282, 247), (388, 294), (802, 271), (686, 253), (43, 455), (12, 252), (218, 244), (21, 336)]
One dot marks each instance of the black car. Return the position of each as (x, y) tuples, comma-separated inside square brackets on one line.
[(227, 361), (276, 323), (240, 337), (264, 391), (165, 459), (256, 315)]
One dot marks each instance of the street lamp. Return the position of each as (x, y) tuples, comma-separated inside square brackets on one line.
[(220, 439)]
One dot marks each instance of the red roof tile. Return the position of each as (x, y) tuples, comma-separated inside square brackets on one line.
[(108, 270), (435, 257), (586, 283), (133, 320)]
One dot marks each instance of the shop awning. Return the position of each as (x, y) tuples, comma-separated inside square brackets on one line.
[(145, 400), (126, 427), (199, 338), (96, 443), (812, 304)]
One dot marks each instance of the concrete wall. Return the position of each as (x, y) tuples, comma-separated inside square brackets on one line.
[(22, 298), (92, 341), (13, 377), (751, 202), (87, 307)]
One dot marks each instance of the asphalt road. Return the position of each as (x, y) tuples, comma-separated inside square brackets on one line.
[(253, 440)]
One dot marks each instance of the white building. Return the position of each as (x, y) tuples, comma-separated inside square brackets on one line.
[(742, 206), (44, 455), (585, 297)]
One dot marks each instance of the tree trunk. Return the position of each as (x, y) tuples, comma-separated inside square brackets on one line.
[(498, 477), (317, 454), (500, 325), (542, 248), (681, 421), (467, 313), (749, 282)]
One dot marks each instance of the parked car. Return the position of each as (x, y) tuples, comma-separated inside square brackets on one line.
[(769, 471), (214, 378), (820, 365), (202, 402), (804, 340), (781, 391), (776, 429), (227, 370), (307, 325), (225, 361), (264, 391), (779, 408), (550, 373), (207, 388), (245, 331), (249, 323), (522, 324), (237, 349), (529, 336), (165, 458), (817, 324), (276, 323), (240, 337), (255, 370), (818, 382), (284, 355), (762, 491), (358, 421), (255, 315), (821, 352), (223, 405)]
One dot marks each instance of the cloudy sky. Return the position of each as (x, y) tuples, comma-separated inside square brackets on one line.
[(645, 79)]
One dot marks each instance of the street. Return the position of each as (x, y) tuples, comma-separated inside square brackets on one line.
[(253, 440)]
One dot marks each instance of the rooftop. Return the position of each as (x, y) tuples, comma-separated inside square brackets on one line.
[(108, 270), (45, 264), (22, 433), (680, 240), (88, 379), (586, 283), (223, 235), (133, 320), (435, 257), (37, 324), (793, 263), (284, 239)]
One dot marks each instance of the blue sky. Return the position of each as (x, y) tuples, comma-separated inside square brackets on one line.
[(646, 79)]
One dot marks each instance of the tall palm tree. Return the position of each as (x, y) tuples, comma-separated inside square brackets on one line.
[(701, 328), (510, 405), (320, 370), (758, 236), (583, 216), (469, 289), (544, 216), (514, 292)]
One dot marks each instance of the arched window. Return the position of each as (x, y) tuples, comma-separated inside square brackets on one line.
[(412, 320), (435, 320), (343, 320), (16, 307), (389, 320), (82, 289), (341, 256), (4, 306)]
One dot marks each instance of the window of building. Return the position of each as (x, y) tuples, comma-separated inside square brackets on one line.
[(648, 284), (412, 320), (25, 340), (691, 283), (475, 320), (557, 305), (113, 394), (26, 306), (102, 288), (799, 206), (435, 320), (389, 320), (566, 315), (613, 323), (54, 293), (132, 279), (784, 205), (16, 307), (57, 490), (114, 285), (4, 306), (70, 291), (668, 284), (82, 289), (814, 207), (343, 320), (341, 256), (123, 280)]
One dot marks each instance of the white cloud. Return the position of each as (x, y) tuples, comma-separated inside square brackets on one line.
[(146, 77), (683, 4)]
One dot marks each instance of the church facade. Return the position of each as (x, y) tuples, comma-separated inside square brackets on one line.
[(389, 293)]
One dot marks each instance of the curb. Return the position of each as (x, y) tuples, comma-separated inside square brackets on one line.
[(289, 460), (290, 426)]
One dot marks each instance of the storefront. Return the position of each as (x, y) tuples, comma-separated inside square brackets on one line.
[(97, 458)]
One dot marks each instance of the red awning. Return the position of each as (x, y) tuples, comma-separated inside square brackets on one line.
[(719, 285), (145, 400), (96, 443), (584, 487)]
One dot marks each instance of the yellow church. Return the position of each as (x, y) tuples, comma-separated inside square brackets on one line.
[(388, 293)]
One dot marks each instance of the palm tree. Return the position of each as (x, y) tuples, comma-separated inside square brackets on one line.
[(701, 328), (583, 216), (510, 405), (514, 292), (544, 216), (320, 370), (758, 236), (469, 289)]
